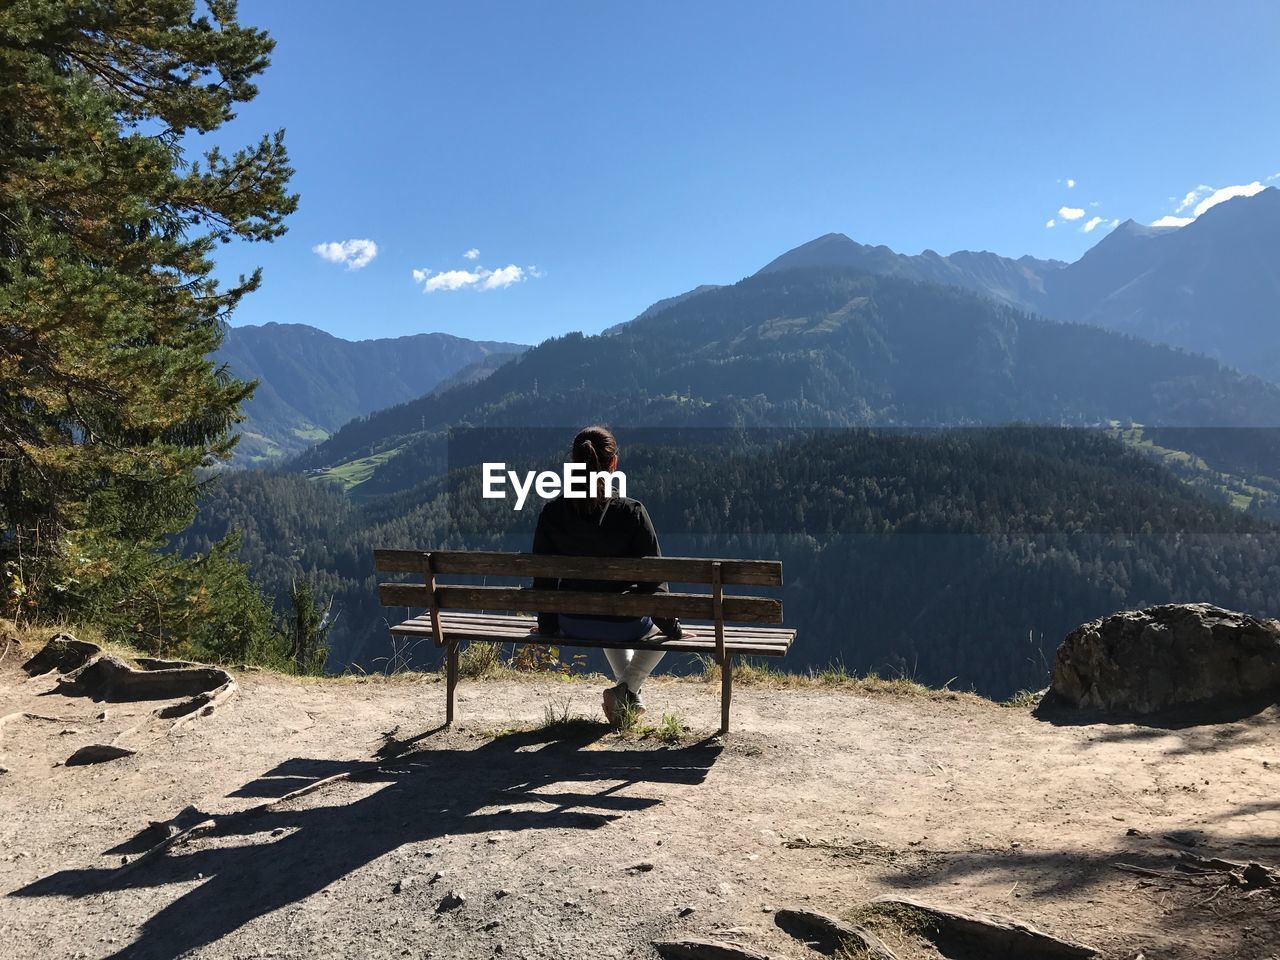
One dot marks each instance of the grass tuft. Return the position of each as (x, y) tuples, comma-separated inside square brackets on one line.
[(558, 717), (1024, 699), (672, 729), (477, 660), (628, 720)]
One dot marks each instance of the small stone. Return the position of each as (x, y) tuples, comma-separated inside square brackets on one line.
[(644, 867), (492, 925), (686, 911), (436, 877), (98, 753), (451, 901), (504, 892), (401, 885)]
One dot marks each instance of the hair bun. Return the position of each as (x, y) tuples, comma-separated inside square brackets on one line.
[(596, 447)]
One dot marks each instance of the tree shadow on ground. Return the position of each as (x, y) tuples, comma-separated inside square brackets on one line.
[(1192, 918), (286, 853)]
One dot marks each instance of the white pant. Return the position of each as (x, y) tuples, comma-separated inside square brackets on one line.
[(633, 667)]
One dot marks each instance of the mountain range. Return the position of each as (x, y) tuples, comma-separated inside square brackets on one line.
[(1211, 286), (1027, 533), (310, 383), (813, 346)]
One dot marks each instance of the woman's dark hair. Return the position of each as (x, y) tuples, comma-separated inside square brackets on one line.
[(596, 447)]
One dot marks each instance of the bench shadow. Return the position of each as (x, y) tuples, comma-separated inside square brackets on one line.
[(256, 862)]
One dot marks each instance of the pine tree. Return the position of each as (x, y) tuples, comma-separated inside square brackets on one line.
[(307, 628), (109, 402)]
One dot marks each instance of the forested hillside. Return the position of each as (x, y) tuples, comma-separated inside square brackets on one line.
[(962, 554), (310, 383), (812, 347)]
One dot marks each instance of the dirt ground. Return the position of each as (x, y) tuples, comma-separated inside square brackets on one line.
[(567, 842)]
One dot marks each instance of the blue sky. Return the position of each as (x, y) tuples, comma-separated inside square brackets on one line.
[(600, 156)]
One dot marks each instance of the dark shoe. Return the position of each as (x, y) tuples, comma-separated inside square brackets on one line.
[(613, 701)]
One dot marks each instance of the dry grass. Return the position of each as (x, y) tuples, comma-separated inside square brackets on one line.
[(753, 672), (482, 662), (32, 637), (901, 927)]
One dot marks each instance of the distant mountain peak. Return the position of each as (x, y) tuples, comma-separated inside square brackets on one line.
[(828, 250), (1016, 282)]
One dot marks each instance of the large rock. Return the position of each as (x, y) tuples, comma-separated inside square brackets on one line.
[(1175, 655)]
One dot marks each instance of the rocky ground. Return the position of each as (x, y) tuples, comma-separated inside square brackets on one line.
[(505, 838)]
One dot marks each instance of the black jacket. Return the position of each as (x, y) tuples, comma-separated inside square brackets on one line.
[(620, 527)]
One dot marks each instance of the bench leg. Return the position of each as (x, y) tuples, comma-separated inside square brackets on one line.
[(726, 691), (451, 681)]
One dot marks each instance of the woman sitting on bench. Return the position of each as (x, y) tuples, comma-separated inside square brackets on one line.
[(600, 526)]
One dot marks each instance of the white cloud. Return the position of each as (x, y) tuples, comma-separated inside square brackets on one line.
[(1050, 223), (451, 280), (1274, 176), (1095, 203), (472, 253), (479, 279), (1192, 196), (354, 253), (1070, 213), (1226, 193), (1091, 225), (503, 277), (1070, 183), (1204, 197)]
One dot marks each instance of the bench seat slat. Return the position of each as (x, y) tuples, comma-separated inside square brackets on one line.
[(518, 629), (522, 622), (524, 636), (493, 629), (765, 635), (685, 605), (759, 573)]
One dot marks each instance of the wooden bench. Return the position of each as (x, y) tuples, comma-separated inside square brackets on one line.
[(449, 628)]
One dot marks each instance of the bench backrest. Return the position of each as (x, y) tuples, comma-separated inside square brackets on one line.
[(713, 605)]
